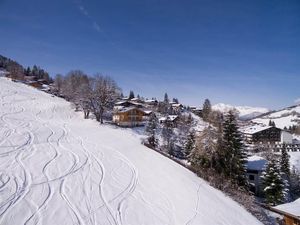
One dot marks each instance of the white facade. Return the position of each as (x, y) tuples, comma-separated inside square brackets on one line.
[(286, 137)]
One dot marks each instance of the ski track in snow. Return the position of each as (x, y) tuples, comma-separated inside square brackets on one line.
[(51, 173), (58, 144)]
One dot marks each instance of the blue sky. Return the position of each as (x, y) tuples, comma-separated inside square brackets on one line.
[(238, 52)]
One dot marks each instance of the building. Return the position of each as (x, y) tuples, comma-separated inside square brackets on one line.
[(128, 104), (255, 166), (172, 119), (286, 137), (129, 117), (260, 134), (289, 211), (152, 102)]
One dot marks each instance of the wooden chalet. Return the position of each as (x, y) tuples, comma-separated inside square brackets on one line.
[(127, 103), (289, 211), (129, 117)]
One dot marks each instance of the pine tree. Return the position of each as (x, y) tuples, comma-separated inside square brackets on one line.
[(175, 100), (273, 184), (295, 183), (151, 130), (284, 161), (234, 151), (131, 95), (28, 71), (270, 123), (166, 98), (190, 144), (206, 110), (167, 134)]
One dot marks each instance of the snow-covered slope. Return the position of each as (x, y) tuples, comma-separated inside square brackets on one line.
[(286, 117), (56, 168), (244, 112)]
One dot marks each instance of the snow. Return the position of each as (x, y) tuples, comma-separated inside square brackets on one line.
[(292, 207), (282, 118), (280, 122), (57, 168), (245, 112), (3, 72), (256, 163), (169, 117), (254, 129), (295, 160)]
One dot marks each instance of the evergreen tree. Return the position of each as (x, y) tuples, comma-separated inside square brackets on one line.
[(270, 123), (175, 100), (190, 144), (131, 95), (167, 134), (151, 130), (295, 183), (234, 151), (273, 184), (284, 161), (28, 71), (206, 110), (166, 99)]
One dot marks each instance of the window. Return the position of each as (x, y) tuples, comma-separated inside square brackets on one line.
[(251, 177)]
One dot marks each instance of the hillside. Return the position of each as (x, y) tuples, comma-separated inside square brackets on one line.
[(283, 118), (244, 112), (57, 168)]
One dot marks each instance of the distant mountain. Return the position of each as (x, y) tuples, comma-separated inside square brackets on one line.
[(244, 112), (286, 117)]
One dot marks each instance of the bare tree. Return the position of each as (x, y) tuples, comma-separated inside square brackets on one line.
[(104, 92), (58, 83)]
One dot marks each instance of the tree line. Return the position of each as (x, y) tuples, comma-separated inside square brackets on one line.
[(91, 94), (18, 72)]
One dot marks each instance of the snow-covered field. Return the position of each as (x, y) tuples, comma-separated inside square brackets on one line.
[(245, 112), (282, 118), (56, 168)]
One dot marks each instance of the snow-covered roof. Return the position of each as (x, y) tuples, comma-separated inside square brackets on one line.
[(256, 163), (147, 111), (118, 107), (169, 117), (126, 109), (176, 105), (254, 129), (120, 102), (150, 100), (291, 208)]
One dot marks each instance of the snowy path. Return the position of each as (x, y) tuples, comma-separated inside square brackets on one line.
[(56, 168)]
